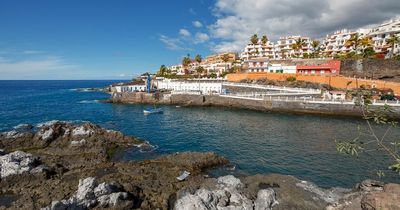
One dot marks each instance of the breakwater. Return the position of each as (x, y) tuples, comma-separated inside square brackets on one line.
[(300, 106)]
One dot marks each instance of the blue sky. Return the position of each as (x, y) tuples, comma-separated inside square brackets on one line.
[(116, 39), (95, 39)]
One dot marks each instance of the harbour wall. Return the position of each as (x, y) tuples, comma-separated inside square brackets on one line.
[(259, 105)]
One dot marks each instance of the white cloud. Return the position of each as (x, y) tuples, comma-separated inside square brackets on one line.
[(35, 68), (191, 11), (185, 33), (171, 43), (237, 20), (31, 52), (197, 24), (201, 38)]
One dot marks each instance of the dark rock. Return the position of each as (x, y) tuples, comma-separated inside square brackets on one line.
[(370, 185)]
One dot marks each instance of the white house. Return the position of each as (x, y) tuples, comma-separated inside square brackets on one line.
[(279, 68), (129, 87), (257, 65)]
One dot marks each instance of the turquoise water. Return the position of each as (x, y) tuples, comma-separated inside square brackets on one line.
[(256, 142)]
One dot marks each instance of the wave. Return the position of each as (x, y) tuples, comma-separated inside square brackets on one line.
[(147, 147), (89, 102)]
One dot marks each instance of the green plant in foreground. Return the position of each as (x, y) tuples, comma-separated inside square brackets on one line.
[(375, 118)]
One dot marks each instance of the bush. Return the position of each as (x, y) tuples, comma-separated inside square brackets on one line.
[(291, 79)]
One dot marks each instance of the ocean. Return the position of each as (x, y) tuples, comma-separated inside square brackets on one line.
[(255, 142)]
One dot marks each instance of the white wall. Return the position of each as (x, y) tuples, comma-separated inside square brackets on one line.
[(130, 88), (205, 86)]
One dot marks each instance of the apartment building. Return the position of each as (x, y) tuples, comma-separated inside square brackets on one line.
[(264, 65), (284, 47), (380, 35), (258, 50), (336, 42), (218, 58)]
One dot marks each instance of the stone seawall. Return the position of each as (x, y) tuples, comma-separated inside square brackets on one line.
[(259, 105)]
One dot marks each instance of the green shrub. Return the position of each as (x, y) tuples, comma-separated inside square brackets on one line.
[(291, 79)]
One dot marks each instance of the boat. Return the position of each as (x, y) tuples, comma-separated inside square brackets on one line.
[(152, 111)]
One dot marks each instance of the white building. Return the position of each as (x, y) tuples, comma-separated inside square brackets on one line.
[(257, 65), (284, 47), (204, 86), (217, 68), (264, 65), (279, 68), (380, 34), (258, 51), (177, 69), (129, 87), (336, 43)]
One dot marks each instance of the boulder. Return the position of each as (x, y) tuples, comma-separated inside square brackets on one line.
[(104, 189), (84, 130), (369, 185), (227, 195), (392, 188), (90, 195), (230, 182), (381, 201), (46, 134), (17, 162), (266, 198), (12, 134), (387, 199), (86, 189), (78, 143), (113, 199), (2, 152)]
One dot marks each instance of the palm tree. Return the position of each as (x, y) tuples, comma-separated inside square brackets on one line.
[(392, 41), (366, 42), (315, 45), (254, 39), (264, 40), (186, 62), (198, 59), (163, 69), (199, 70), (225, 58), (298, 45), (354, 42)]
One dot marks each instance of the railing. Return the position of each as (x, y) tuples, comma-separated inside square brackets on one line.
[(183, 92), (308, 99), (271, 87)]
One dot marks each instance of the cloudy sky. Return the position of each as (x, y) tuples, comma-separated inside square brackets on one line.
[(102, 39)]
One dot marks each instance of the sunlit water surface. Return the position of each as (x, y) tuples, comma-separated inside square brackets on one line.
[(256, 142)]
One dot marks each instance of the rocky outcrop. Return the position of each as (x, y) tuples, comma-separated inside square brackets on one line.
[(91, 195), (227, 194), (63, 159), (19, 162), (54, 139)]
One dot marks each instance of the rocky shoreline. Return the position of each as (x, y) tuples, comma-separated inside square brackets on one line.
[(60, 165)]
